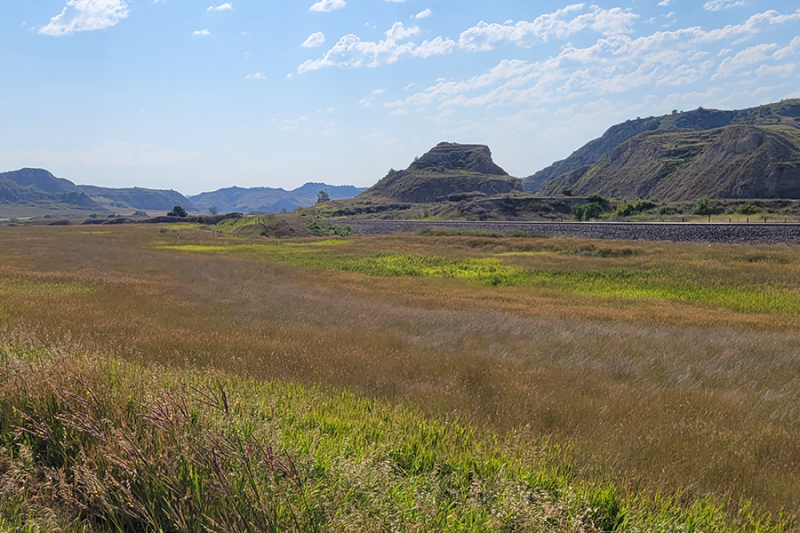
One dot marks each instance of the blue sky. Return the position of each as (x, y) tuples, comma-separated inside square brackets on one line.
[(196, 95)]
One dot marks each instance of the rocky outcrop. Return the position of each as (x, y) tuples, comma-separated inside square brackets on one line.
[(445, 170), (476, 158)]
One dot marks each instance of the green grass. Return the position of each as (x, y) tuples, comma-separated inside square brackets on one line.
[(97, 444), (682, 284)]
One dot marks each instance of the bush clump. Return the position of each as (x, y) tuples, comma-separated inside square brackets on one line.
[(627, 209), (747, 209), (703, 206), (590, 211)]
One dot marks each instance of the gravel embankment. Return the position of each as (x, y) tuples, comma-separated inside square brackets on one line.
[(679, 232)]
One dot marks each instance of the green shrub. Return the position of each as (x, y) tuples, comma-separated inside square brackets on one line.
[(178, 211), (587, 212), (592, 211), (597, 199), (747, 209), (625, 210), (320, 228), (703, 206)]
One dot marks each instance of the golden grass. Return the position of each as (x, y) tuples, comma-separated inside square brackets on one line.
[(667, 393)]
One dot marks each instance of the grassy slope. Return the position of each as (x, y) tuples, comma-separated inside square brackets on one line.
[(699, 397)]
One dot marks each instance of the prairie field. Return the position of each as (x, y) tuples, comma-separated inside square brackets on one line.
[(625, 385)]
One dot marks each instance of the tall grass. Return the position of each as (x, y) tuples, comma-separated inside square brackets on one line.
[(96, 444), (687, 398)]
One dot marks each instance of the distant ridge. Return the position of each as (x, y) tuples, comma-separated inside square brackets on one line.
[(139, 198), (269, 200), (750, 153), (39, 187), (448, 168)]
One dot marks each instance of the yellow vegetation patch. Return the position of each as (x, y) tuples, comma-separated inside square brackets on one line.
[(27, 287)]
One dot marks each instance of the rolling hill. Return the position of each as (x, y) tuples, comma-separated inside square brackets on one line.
[(37, 187), (446, 169), (40, 188), (138, 198), (724, 154), (269, 200)]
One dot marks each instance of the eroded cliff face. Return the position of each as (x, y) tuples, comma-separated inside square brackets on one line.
[(603, 152), (475, 158), (737, 161), (446, 169)]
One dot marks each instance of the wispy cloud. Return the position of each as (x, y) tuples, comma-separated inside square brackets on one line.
[(560, 24), (202, 32), (256, 76), (615, 64), (423, 14), (717, 5), (351, 52), (327, 5), (86, 15), (222, 7), (314, 40)]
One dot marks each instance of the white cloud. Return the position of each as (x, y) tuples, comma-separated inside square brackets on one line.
[(398, 32), (202, 32), (222, 7), (436, 47), (327, 5), (86, 15), (744, 59), (379, 91), (557, 25), (793, 48), (717, 5), (351, 52), (665, 3), (423, 14), (613, 64), (782, 71), (315, 39), (372, 136), (256, 76)]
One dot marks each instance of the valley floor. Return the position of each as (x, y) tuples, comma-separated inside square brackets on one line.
[(637, 385)]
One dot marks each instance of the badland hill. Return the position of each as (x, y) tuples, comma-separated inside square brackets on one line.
[(447, 169), (750, 153)]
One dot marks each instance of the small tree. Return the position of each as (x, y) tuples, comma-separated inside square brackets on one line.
[(703, 206), (323, 197), (592, 211), (213, 210), (178, 211)]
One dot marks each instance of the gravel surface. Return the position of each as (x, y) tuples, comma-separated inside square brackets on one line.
[(762, 233)]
